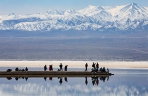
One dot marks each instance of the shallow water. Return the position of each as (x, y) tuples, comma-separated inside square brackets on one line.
[(125, 82)]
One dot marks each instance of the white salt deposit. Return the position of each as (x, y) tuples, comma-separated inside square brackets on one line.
[(76, 64)]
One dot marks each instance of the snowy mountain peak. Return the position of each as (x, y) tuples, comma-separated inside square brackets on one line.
[(133, 7), (102, 18), (134, 4), (133, 11), (70, 12), (90, 7), (91, 10), (11, 14), (55, 12)]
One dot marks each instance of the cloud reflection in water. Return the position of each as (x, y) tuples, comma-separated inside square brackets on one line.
[(68, 90)]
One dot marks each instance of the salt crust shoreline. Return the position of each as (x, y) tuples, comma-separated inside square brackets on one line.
[(77, 64)]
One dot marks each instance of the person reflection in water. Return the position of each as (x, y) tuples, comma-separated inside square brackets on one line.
[(16, 78), (102, 79), (93, 82), (45, 78), (26, 78), (86, 82), (60, 81), (50, 78), (97, 81), (66, 79), (107, 78)]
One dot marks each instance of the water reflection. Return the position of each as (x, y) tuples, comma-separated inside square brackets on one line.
[(66, 79), (94, 79), (117, 85), (17, 78), (86, 81), (9, 78)]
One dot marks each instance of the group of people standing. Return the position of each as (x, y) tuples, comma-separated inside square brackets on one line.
[(95, 68), (61, 67), (51, 68)]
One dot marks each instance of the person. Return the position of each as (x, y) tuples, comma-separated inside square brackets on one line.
[(107, 70), (104, 70), (16, 69), (86, 65), (45, 68), (97, 66), (26, 69), (50, 68), (61, 66), (101, 69), (93, 65), (66, 67), (9, 70)]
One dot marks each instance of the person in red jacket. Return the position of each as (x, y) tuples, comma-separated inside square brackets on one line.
[(97, 66)]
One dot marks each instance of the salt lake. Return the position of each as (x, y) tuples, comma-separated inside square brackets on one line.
[(124, 82)]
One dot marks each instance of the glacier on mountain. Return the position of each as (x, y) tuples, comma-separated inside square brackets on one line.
[(124, 17)]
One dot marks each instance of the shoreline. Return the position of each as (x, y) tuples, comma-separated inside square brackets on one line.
[(78, 64)]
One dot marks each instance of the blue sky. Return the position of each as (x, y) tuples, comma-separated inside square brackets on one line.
[(37, 6)]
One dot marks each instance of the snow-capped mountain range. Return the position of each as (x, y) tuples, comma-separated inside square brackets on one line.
[(101, 18)]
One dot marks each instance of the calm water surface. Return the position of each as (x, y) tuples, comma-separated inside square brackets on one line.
[(125, 82)]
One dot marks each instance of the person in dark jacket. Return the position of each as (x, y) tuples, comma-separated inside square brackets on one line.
[(93, 65), (45, 68), (86, 65), (16, 69), (26, 69), (61, 67), (66, 67)]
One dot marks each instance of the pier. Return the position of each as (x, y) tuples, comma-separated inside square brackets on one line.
[(53, 73)]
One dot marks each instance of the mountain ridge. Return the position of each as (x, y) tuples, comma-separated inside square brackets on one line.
[(101, 18)]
